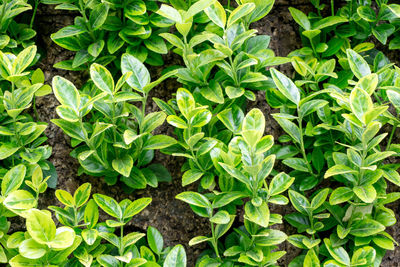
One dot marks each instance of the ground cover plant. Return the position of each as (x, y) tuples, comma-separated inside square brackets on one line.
[(327, 183)]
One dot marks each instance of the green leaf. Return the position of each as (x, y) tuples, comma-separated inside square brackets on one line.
[(269, 237), (286, 86), (140, 75), (232, 118), (155, 240), (338, 170), (360, 103), (341, 195), (258, 215), (328, 21), (159, 142), (66, 93), (20, 200), (280, 183), (191, 176), (338, 253), (102, 78), (357, 63), (13, 179), (109, 205), (40, 226), (64, 238), (136, 206), (221, 217), (65, 198), (123, 165), (98, 16), (366, 227), (319, 199), (298, 164), (176, 257), (240, 12), (300, 18), (366, 193), (185, 102), (23, 60), (82, 194), (30, 249), (194, 198), (300, 202), (216, 14), (363, 256), (253, 127)]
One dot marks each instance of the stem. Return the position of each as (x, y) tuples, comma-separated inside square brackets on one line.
[(214, 241), (333, 7), (395, 124), (303, 151), (120, 241), (34, 13), (34, 108)]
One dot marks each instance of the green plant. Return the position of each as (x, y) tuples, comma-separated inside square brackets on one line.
[(82, 235), (15, 36), (18, 199), (105, 30), (21, 137), (238, 58), (243, 169), (116, 139)]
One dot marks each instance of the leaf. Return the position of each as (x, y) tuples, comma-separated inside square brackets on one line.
[(185, 102), (300, 202), (253, 127), (159, 142), (40, 226), (296, 164), (258, 215), (66, 93), (82, 194), (280, 183), (64, 238), (360, 103), (30, 249), (109, 205), (98, 16), (341, 195), (123, 165), (328, 21), (300, 18), (319, 199), (239, 12), (23, 60), (65, 198), (366, 227), (286, 86), (216, 14), (191, 176), (338, 170), (194, 198), (176, 257), (357, 63), (20, 200), (232, 118), (338, 253), (366, 193), (155, 240), (140, 75), (13, 179), (221, 217), (136, 206), (269, 237), (102, 78), (170, 13)]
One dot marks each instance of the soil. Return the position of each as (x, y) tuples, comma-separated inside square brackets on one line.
[(173, 218)]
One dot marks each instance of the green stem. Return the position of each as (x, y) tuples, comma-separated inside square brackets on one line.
[(333, 7), (395, 124), (34, 13), (303, 150), (120, 242), (214, 241)]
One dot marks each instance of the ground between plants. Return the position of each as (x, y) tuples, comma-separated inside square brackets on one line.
[(173, 218)]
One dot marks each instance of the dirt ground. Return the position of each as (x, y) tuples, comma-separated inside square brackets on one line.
[(171, 217)]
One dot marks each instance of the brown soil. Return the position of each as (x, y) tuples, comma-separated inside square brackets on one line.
[(171, 217)]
